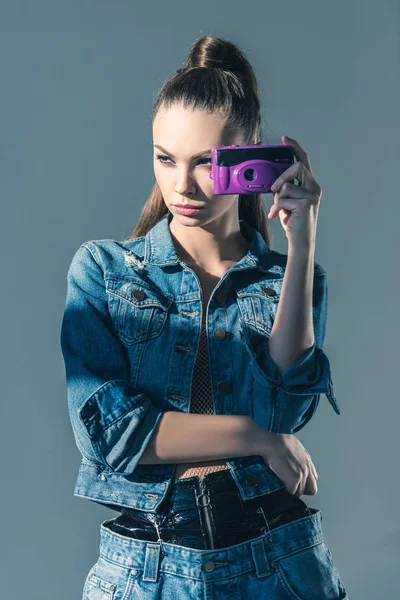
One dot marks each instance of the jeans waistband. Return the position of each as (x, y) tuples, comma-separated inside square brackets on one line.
[(259, 553)]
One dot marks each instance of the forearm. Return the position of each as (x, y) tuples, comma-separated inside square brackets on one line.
[(187, 437), (292, 333)]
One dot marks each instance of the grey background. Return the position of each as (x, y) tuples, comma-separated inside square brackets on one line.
[(78, 80)]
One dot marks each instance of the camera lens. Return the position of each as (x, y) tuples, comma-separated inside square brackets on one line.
[(249, 174)]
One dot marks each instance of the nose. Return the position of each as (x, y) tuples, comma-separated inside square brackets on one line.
[(184, 183)]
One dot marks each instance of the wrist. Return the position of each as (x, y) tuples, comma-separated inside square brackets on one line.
[(305, 249), (259, 439)]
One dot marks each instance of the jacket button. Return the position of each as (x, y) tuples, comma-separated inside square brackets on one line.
[(251, 481), (219, 334), (138, 294), (224, 387), (221, 297), (268, 291), (209, 566)]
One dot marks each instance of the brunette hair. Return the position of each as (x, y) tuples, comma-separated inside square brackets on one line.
[(218, 78)]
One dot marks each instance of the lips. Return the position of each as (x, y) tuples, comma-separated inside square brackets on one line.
[(187, 206)]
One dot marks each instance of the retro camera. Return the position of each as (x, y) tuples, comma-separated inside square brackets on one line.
[(248, 169)]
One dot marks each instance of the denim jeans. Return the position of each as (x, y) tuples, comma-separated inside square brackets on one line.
[(205, 542)]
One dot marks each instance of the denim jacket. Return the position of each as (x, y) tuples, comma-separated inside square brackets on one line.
[(129, 336)]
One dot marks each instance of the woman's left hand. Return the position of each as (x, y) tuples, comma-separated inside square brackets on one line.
[(297, 205)]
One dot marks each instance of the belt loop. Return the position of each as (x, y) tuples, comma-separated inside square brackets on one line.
[(152, 562), (260, 558)]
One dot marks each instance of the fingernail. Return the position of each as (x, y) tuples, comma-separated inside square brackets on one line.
[(274, 186)]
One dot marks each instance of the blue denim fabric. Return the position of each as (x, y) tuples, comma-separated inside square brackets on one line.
[(129, 336), (291, 562)]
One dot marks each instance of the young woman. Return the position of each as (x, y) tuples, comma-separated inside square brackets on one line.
[(194, 313)]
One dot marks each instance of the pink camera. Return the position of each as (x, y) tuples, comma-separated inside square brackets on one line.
[(248, 169)]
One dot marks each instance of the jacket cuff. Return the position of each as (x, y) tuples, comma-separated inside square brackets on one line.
[(310, 375), (120, 424)]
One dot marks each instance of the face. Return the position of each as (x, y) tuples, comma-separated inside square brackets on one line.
[(182, 167)]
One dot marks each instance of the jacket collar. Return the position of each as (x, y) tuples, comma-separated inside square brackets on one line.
[(160, 250)]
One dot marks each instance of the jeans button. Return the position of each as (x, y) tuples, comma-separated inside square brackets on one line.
[(209, 566)]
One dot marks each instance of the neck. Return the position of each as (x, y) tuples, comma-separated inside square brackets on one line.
[(200, 246)]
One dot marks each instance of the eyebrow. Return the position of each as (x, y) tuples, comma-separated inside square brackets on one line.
[(169, 153)]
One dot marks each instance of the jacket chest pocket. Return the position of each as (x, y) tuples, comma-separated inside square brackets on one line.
[(139, 311), (258, 304)]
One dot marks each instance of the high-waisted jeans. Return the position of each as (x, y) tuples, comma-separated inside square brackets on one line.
[(206, 542)]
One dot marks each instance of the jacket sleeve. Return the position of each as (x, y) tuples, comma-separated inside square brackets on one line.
[(112, 421), (295, 393)]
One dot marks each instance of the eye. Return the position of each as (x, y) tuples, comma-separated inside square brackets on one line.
[(164, 159)]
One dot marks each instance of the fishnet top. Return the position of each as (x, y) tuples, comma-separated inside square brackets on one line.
[(201, 401)]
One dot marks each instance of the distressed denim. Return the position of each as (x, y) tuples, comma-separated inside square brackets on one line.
[(129, 336)]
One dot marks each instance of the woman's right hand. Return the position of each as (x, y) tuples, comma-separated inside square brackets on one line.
[(290, 461)]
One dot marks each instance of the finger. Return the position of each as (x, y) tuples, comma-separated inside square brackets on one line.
[(314, 471), (301, 488), (290, 190), (311, 464), (311, 487), (299, 491), (282, 203), (296, 171), (300, 154)]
